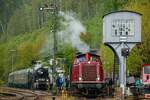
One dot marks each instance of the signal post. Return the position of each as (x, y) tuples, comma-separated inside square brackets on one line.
[(54, 9), (121, 32)]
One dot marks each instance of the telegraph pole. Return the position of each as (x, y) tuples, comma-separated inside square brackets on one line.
[(55, 27), (54, 9), (2, 27)]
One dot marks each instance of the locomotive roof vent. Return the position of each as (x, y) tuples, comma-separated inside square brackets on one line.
[(93, 51), (78, 53)]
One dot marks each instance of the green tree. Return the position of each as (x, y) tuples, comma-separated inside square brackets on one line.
[(140, 54)]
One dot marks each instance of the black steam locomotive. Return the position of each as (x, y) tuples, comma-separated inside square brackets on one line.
[(29, 78)]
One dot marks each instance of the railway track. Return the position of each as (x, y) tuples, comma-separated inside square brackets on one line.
[(7, 93), (20, 94), (108, 98)]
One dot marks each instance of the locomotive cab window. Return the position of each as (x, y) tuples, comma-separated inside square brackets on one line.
[(86, 57), (81, 59), (94, 58), (147, 70), (76, 61)]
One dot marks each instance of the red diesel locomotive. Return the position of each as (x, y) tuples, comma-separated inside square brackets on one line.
[(87, 74)]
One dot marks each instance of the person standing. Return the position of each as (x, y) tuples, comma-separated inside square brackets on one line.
[(138, 84)]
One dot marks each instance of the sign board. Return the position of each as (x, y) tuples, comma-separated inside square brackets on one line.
[(122, 26)]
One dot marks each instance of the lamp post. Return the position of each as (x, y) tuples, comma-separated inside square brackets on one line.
[(2, 27), (12, 59)]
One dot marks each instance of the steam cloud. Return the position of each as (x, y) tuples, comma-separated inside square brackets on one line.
[(70, 33), (72, 28)]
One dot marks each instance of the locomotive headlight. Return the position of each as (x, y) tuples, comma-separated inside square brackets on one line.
[(98, 78), (80, 78), (47, 80), (40, 72)]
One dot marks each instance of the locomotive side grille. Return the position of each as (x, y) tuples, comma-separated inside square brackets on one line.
[(89, 72)]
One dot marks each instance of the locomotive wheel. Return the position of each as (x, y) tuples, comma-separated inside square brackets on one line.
[(73, 91), (90, 93)]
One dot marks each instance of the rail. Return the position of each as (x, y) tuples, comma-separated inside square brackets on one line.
[(20, 94)]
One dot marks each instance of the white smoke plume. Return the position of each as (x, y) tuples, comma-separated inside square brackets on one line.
[(72, 29)]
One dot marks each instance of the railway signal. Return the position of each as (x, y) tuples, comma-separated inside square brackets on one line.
[(121, 32), (54, 9), (125, 52)]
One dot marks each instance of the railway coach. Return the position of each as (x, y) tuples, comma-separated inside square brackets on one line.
[(146, 80)]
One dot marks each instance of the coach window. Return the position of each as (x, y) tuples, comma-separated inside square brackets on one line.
[(147, 70)]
